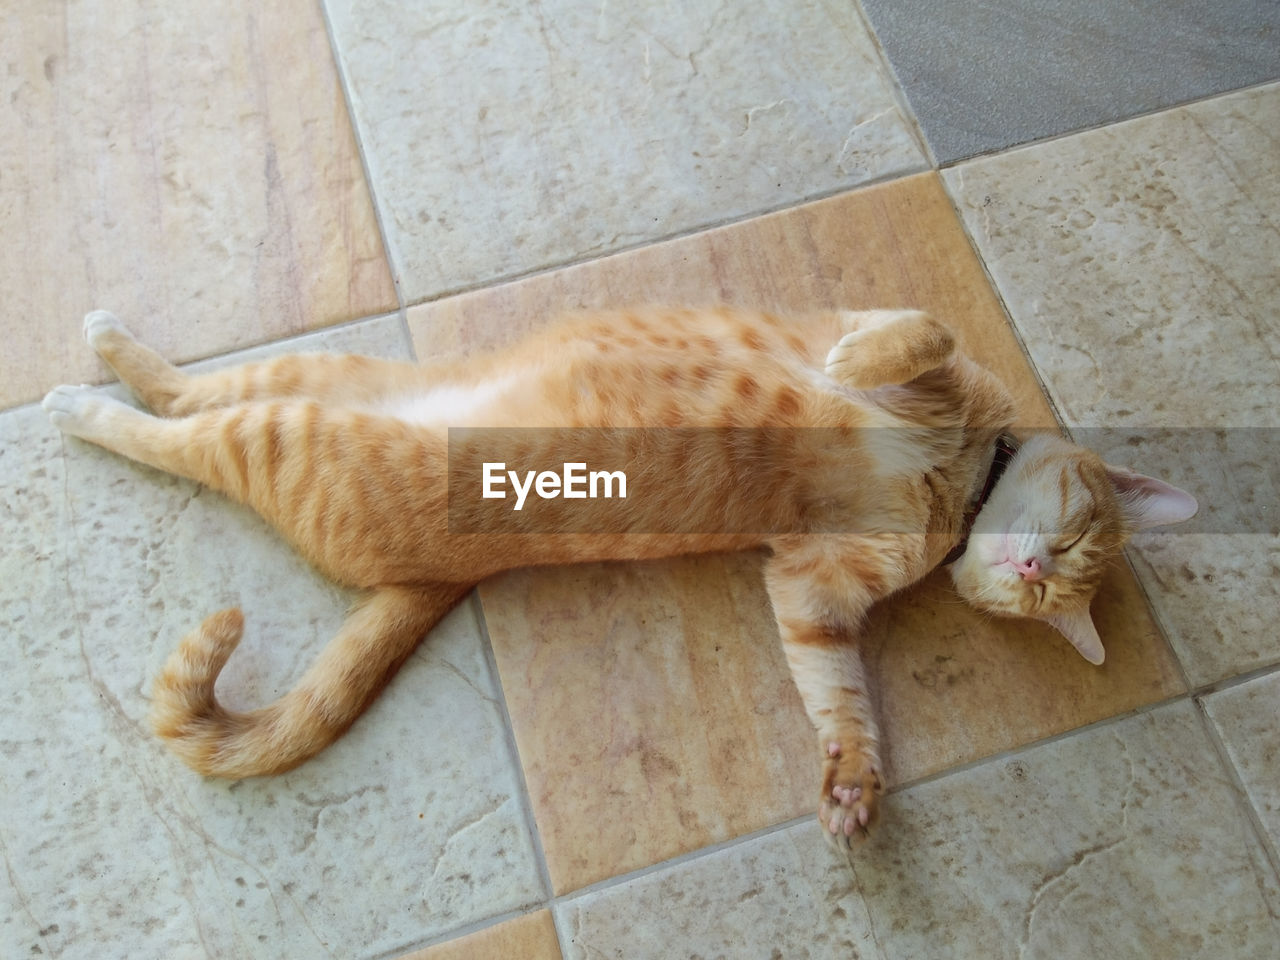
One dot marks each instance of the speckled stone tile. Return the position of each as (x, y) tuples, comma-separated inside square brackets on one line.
[(196, 171), (530, 937), (1248, 721), (1121, 841), (985, 76), (782, 895), (1138, 263), (638, 695), (504, 137), (112, 846)]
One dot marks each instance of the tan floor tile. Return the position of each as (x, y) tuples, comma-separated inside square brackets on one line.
[(197, 175), (641, 734), (653, 710), (1139, 263), (954, 686), (531, 937)]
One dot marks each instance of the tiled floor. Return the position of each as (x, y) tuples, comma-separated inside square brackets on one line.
[(611, 761)]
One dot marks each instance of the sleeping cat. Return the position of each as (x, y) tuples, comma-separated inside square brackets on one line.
[(348, 458)]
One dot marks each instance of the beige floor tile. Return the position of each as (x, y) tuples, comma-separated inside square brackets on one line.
[(664, 764), (1138, 262), (505, 137), (652, 708), (531, 937), (1248, 721), (196, 174), (1121, 841), (113, 847)]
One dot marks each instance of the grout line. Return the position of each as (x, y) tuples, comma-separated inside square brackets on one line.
[(447, 936), (896, 87), (1011, 752), (679, 860), (513, 752), (1107, 124), (1000, 300), (1189, 694), (1243, 798), (453, 933), (579, 260), (348, 99), (1235, 680), (522, 797), (562, 934), (1157, 615), (282, 342)]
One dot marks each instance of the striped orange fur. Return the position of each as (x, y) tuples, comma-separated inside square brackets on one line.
[(879, 436)]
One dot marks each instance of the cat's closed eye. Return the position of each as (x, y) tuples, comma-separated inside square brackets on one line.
[(1068, 543)]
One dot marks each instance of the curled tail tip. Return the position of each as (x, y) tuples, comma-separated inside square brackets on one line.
[(183, 709), (224, 627), (203, 652)]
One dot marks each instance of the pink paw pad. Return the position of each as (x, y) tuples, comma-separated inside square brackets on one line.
[(847, 795)]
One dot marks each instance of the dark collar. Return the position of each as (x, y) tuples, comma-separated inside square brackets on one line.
[(1006, 448)]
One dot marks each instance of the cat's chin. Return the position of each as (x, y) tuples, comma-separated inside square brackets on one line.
[(986, 586), (981, 586)]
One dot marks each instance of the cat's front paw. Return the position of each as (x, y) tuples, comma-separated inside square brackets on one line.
[(76, 410), (851, 787), (101, 324)]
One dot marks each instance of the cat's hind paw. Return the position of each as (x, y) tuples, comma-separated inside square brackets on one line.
[(100, 324), (78, 411), (849, 805)]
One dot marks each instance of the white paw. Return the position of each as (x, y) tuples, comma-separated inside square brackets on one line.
[(97, 323), (73, 410), (846, 349)]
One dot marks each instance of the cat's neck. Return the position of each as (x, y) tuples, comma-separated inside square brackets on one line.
[(1003, 452)]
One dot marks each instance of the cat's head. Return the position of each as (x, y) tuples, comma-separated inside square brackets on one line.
[(1057, 517)]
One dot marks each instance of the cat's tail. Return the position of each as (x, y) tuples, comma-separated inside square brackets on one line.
[(349, 673)]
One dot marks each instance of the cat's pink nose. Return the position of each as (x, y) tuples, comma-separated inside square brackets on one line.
[(1029, 569)]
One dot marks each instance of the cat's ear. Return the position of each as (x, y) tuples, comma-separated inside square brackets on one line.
[(1148, 502), (1077, 626)]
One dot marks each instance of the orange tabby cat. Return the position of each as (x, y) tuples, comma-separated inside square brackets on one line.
[(349, 458)]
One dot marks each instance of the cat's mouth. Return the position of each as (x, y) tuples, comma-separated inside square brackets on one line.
[(1026, 564), (1029, 570)]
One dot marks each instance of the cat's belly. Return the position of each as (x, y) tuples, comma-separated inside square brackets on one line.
[(461, 404)]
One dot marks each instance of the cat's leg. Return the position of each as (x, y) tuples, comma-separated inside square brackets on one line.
[(350, 380), (319, 475), (154, 380), (827, 667), (820, 637), (885, 347)]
